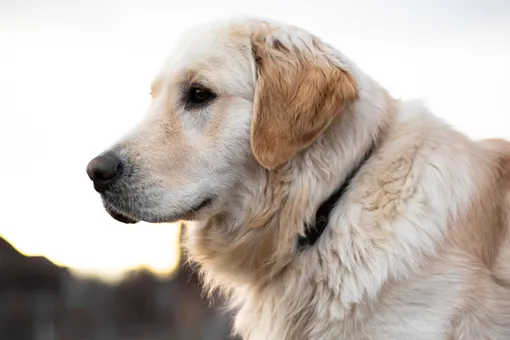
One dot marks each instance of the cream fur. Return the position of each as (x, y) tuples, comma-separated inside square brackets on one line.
[(418, 248)]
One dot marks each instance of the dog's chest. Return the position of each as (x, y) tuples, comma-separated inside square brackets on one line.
[(416, 309)]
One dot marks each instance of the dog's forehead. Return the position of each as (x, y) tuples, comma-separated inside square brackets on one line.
[(216, 55), (213, 43)]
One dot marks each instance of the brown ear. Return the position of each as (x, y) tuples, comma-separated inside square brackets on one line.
[(297, 96)]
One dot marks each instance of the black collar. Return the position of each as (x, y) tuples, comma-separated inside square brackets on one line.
[(315, 230)]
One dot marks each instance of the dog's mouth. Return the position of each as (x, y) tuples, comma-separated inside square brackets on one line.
[(201, 205), (129, 219), (121, 217)]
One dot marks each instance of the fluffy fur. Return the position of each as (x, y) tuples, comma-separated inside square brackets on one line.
[(418, 247)]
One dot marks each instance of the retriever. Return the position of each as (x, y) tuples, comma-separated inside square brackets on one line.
[(323, 207)]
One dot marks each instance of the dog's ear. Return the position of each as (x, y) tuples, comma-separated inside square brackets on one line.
[(299, 91)]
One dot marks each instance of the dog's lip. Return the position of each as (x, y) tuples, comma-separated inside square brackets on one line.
[(124, 218), (205, 202)]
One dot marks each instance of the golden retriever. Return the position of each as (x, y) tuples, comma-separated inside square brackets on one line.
[(323, 207)]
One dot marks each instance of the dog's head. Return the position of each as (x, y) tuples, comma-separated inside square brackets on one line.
[(234, 98)]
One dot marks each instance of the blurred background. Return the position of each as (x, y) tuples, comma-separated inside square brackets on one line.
[(40, 300), (75, 75)]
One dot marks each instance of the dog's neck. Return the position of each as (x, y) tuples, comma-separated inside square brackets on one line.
[(257, 239), (314, 230)]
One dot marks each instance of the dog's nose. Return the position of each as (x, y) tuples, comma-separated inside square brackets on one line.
[(102, 170)]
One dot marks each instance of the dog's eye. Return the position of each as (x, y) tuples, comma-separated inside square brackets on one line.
[(198, 95)]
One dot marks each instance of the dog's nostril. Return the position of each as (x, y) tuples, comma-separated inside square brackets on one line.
[(102, 169)]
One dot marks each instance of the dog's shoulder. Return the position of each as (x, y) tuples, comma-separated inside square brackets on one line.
[(447, 196), (480, 238), (500, 151), (498, 198)]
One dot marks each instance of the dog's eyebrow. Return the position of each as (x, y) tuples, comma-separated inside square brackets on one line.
[(190, 74), (194, 77)]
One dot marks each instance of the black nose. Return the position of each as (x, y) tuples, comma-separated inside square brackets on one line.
[(102, 170)]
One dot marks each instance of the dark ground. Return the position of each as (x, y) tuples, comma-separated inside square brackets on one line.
[(41, 301)]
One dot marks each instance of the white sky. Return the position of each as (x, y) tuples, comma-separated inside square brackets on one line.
[(75, 75)]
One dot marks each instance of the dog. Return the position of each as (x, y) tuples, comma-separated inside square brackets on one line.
[(321, 206)]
